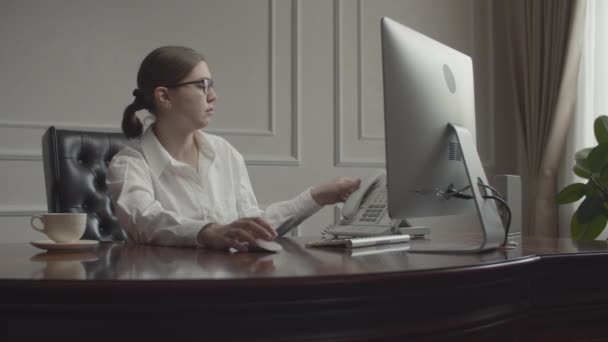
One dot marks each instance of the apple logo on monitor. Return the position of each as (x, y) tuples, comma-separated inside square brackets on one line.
[(449, 78)]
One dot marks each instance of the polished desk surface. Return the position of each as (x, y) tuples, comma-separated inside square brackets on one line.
[(123, 261), (543, 289)]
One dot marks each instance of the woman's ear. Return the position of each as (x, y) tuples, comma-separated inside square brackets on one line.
[(161, 97)]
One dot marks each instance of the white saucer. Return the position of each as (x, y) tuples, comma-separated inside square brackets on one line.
[(76, 245)]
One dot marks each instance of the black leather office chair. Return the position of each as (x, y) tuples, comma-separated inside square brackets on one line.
[(75, 165)]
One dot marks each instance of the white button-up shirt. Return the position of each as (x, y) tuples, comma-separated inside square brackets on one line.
[(159, 200)]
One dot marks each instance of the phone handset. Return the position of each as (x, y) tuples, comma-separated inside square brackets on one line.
[(365, 212), (353, 203)]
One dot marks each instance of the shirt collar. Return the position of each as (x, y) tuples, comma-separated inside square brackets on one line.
[(154, 152), (203, 144), (158, 157)]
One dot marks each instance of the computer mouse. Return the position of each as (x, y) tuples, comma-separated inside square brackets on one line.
[(264, 246)]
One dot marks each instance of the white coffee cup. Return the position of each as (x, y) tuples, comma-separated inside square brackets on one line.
[(61, 227)]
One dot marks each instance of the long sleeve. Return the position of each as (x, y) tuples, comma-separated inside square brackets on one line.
[(283, 215), (142, 216)]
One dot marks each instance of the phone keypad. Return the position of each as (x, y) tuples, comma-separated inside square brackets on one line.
[(376, 211)]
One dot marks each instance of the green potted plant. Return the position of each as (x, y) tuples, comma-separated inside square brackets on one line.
[(591, 216)]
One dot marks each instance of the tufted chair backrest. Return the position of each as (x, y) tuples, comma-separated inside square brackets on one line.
[(75, 165)]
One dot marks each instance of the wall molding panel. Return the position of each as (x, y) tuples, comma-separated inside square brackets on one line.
[(362, 134), (43, 125), (340, 136), (21, 211), (271, 123), (292, 159)]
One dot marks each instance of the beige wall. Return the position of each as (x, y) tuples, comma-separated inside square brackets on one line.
[(299, 82)]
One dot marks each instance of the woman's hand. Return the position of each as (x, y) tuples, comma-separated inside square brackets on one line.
[(335, 191), (248, 229)]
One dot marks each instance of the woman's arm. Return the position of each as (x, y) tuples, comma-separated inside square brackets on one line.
[(289, 214)]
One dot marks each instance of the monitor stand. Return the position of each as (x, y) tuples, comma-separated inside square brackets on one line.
[(487, 212), (414, 231)]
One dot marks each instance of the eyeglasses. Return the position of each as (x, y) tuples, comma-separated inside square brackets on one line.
[(206, 84)]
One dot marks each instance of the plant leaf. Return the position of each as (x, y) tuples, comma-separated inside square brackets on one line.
[(589, 231), (591, 190), (581, 172), (595, 228), (591, 207), (571, 193), (576, 229), (597, 158), (603, 178), (600, 128), (580, 157)]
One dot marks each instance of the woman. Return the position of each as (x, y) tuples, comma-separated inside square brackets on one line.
[(180, 186)]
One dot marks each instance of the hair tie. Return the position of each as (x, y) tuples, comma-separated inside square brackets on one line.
[(139, 99), (137, 92)]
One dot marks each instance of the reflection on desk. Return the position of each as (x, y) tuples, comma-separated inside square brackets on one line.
[(62, 265), (527, 293)]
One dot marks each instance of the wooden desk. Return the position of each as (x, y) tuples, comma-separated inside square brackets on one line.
[(544, 290)]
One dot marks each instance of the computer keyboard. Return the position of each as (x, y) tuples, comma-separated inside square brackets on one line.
[(433, 247), (360, 241), (359, 231)]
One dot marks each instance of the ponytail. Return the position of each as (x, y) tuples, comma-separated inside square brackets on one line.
[(131, 125)]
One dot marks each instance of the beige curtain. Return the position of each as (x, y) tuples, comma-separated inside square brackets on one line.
[(545, 43)]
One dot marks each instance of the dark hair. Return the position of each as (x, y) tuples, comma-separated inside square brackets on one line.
[(162, 67)]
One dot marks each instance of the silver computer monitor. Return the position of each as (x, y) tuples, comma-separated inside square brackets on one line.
[(429, 112)]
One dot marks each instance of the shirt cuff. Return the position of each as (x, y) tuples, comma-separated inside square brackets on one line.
[(306, 206), (307, 203), (191, 230)]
